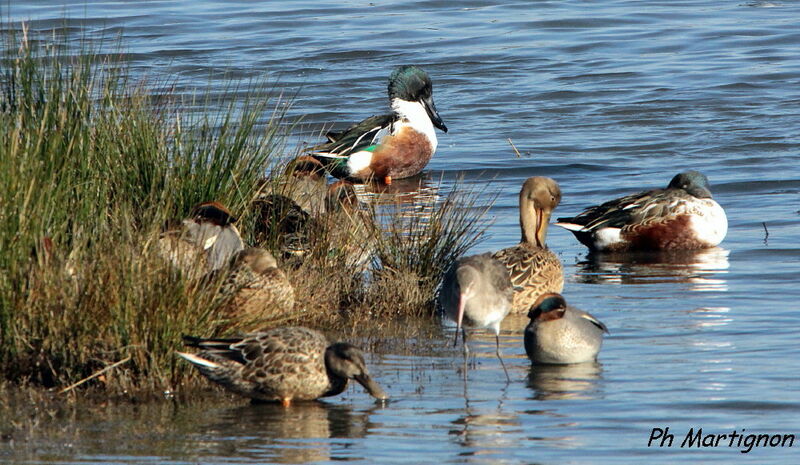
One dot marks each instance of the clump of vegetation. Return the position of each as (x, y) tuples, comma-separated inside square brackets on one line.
[(414, 251), (93, 165)]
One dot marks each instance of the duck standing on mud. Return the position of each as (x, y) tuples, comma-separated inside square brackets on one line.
[(393, 146)]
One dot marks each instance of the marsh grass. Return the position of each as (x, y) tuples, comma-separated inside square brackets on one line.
[(93, 165), (414, 251)]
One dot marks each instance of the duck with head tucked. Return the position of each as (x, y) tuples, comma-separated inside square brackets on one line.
[(533, 268), (392, 146), (683, 216), (257, 289), (282, 365), (560, 334), (204, 242)]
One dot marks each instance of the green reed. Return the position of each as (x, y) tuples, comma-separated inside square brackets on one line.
[(92, 165)]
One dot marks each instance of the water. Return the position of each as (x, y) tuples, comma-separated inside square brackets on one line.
[(606, 97)]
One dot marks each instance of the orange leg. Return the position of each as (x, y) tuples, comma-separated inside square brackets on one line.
[(287, 402), (387, 180)]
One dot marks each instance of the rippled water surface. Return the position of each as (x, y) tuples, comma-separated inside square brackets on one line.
[(607, 97)]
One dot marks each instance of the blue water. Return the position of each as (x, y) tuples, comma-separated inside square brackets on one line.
[(608, 98)]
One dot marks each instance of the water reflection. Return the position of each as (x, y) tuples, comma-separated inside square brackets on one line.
[(700, 268), (417, 190), (406, 203), (558, 382), (485, 430), (271, 431)]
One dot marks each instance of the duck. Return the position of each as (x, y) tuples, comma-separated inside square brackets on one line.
[(534, 269), (303, 181), (346, 230), (283, 365), (561, 334), (683, 216), (476, 292), (391, 146), (259, 290), (204, 242), (283, 224)]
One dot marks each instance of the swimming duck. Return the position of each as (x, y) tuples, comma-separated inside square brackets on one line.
[(260, 289), (533, 268), (560, 334), (476, 292), (681, 217), (283, 364), (393, 146)]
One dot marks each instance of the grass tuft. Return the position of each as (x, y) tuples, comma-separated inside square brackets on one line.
[(93, 165)]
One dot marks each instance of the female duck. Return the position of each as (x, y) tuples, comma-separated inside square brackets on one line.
[(282, 364), (533, 268), (681, 217), (561, 334)]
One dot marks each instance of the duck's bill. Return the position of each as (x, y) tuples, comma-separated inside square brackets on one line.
[(430, 108), (372, 387)]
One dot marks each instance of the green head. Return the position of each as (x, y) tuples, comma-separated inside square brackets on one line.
[(548, 306), (693, 182), (412, 84)]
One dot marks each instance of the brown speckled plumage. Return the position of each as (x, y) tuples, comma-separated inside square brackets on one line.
[(261, 290), (533, 271), (282, 364), (532, 267)]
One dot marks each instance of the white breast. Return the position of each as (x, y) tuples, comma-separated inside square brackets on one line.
[(414, 116), (709, 222)]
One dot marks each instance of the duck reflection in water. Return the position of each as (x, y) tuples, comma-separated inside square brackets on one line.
[(296, 435), (559, 382), (702, 269)]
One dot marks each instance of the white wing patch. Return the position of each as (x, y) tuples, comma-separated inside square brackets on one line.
[(607, 237), (359, 161)]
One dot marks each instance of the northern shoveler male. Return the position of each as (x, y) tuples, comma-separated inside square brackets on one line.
[(681, 217), (476, 293), (534, 269), (282, 364), (558, 333), (393, 146)]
